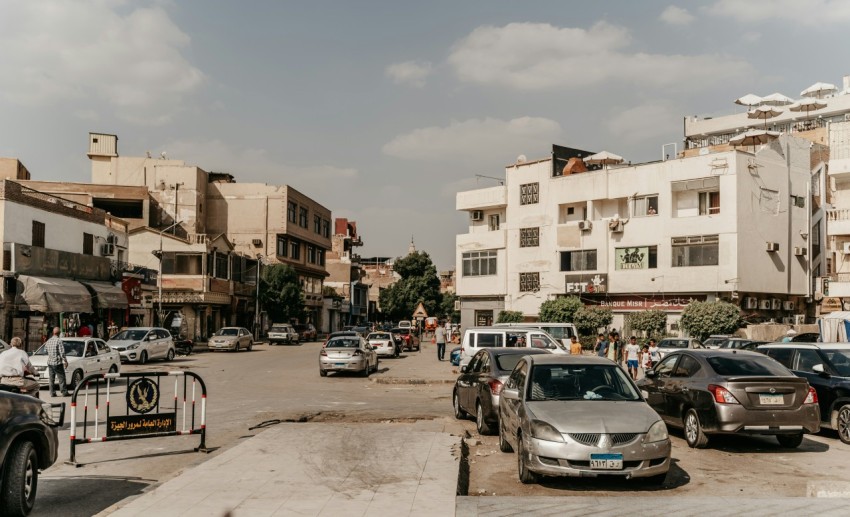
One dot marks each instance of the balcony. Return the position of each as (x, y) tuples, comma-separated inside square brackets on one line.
[(480, 199), (838, 221), (481, 240), (839, 168)]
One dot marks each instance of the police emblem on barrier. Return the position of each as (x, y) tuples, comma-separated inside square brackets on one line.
[(142, 395)]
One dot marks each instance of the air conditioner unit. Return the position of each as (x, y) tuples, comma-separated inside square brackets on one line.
[(800, 252), (788, 306), (772, 246), (751, 303), (764, 305), (616, 226), (799, 319), (457, 305), (775, 304), (107, 250), (847, 117), (847, 248), (477, 215), (257, 242), (585, 225)]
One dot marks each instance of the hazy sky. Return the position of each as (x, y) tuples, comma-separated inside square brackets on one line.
[(382, 111)]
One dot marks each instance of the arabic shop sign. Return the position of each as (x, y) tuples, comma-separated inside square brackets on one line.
[(590, 283), (631, 258), (130, 425), (624, 303)]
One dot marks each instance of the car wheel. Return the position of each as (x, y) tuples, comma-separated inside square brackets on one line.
[(170, 355), (504, 446), (526, 476), (77, 378), (237, 349), (322, 373), (480, 424), (143, 357), (20, 479), (694, 435), (366, 370), (790, 441), (250, 346), (113, 369), (843, 424), (460, 414), (377, 363)]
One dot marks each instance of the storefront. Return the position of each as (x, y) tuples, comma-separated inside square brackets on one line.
[(42, 303)]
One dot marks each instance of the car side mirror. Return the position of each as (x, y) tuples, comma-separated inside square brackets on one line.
[(650, 374), (510, 394), (463, 369)]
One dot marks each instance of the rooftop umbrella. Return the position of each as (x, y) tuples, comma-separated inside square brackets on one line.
[(754, 137), (776, 99), (604, 158), (807, 105), (818, 90), (749, 100), (764, 113)]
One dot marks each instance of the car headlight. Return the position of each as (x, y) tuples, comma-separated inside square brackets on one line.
[(133, 346), (657, 432), (47, 413), (543, 431)]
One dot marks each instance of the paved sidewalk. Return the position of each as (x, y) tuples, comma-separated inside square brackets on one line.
[(320, 469)]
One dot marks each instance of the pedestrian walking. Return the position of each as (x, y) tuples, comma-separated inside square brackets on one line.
[(632, 357), (601, 347), (613, 346), (645, 361), (56, 363), (575, 346), (654, 353), (440, 339)]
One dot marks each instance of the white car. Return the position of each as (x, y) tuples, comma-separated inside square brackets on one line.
[(140, 344), (85, 355), (384, 344)]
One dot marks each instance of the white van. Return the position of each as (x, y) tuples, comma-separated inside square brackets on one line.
[(476, 338), (560, 331), (405, 324)]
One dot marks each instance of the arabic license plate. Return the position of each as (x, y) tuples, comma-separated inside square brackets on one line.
[(770, 399), (606, 461), (339, 364)]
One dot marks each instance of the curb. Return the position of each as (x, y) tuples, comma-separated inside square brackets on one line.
[(401, 380)]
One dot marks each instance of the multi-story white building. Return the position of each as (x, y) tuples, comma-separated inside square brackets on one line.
[(730, 225)]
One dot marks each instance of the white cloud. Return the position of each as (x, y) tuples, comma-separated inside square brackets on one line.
[(675, 15), (646, 122), (475, 138), (409, 72), (540, 56), (751, 36), (105, 54), (810, 12)]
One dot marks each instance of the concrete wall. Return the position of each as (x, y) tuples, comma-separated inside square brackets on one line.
[(60, 232)]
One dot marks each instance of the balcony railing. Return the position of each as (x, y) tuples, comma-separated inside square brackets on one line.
[(838, 214)]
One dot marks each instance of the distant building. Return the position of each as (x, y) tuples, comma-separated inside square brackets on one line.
[(350, 303)]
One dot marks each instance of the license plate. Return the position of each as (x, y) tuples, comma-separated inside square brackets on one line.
[(339, 364), (770, 399), (606, 461)]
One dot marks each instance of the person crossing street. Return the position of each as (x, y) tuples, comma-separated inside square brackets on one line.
[(56, 363), (440, 339)]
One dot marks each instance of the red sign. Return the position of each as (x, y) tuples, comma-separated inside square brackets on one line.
[(133, 288), (632, 302)]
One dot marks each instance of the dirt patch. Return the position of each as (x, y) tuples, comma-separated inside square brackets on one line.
[(340, 417), (402, 380)]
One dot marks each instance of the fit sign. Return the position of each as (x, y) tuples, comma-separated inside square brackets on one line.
[(593, 283)]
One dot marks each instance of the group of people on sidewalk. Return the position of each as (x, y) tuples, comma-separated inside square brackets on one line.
[(17, 370), (631, 356)]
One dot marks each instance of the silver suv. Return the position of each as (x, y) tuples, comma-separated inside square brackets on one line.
[(140, 344)]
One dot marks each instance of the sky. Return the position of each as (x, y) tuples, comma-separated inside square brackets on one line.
[(383, 110)]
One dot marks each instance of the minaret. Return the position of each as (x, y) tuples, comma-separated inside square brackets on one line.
[(412, 248)]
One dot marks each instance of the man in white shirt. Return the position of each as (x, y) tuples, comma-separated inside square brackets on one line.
[(14, 365)]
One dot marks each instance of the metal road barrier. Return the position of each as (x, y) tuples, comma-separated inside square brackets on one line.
[(147, 414)]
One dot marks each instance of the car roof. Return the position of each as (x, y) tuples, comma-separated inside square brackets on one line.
[(496, 351), (717, 352), (571, 359), (810, 346)]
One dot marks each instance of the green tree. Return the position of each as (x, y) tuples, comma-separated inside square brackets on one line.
[(654, 322), (560, 310), (419, 283), (701, 319), (588, 320), (510, 317), (447, 308), (280, 293)]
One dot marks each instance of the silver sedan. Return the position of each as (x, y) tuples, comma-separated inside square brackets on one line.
[(384, 344), (348, 354), (233, 339), (580, 416)]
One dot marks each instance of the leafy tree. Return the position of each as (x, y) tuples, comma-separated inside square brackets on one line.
[(701, 319), (560, 310), (447, 308), (653, 322), (419, 283), (280, 293), (510, 317), (588, 320)]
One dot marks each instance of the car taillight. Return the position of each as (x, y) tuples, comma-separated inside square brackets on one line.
[(812, 397), (722, 395), (495, 386), (324, 352)]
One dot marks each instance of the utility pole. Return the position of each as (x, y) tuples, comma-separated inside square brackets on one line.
[(176, 188)]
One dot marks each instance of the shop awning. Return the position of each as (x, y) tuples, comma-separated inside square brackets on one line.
[(48, 294), (108, 296)]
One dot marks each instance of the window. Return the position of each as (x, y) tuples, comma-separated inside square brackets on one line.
[(494, 222), (38, 234), (529, 237), (321, 254), (709, 203), (317, 224), (807, 360), (687, 367), (529, 193), (798, 201), (295, 250), (326, 228), (695, 251), (282, 246), (220, 266), (302, 217), (529, 282), (292, 212), (584, 260), (645, 205), (311, 254), (665, 367), (88, 244), (479, 263)]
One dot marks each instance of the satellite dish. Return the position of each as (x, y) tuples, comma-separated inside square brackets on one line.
[(521, 158)]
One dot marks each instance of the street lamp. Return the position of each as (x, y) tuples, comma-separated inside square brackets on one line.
[(159, 273), (257, 301)]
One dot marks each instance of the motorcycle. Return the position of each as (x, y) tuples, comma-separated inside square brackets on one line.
[(183, 346)]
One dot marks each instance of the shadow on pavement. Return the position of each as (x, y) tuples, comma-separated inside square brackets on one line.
[(151, 455), (84, 495), (748, 444), (676, 477)]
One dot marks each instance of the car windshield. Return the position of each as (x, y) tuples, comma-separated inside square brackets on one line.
[(278, 328), (379, 335), (129, 335), (504, 362), (840, 359), (72, 349), (228, 332), (343, 343), (745, 365), (580, 382), (674, 343), (734, 344)]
